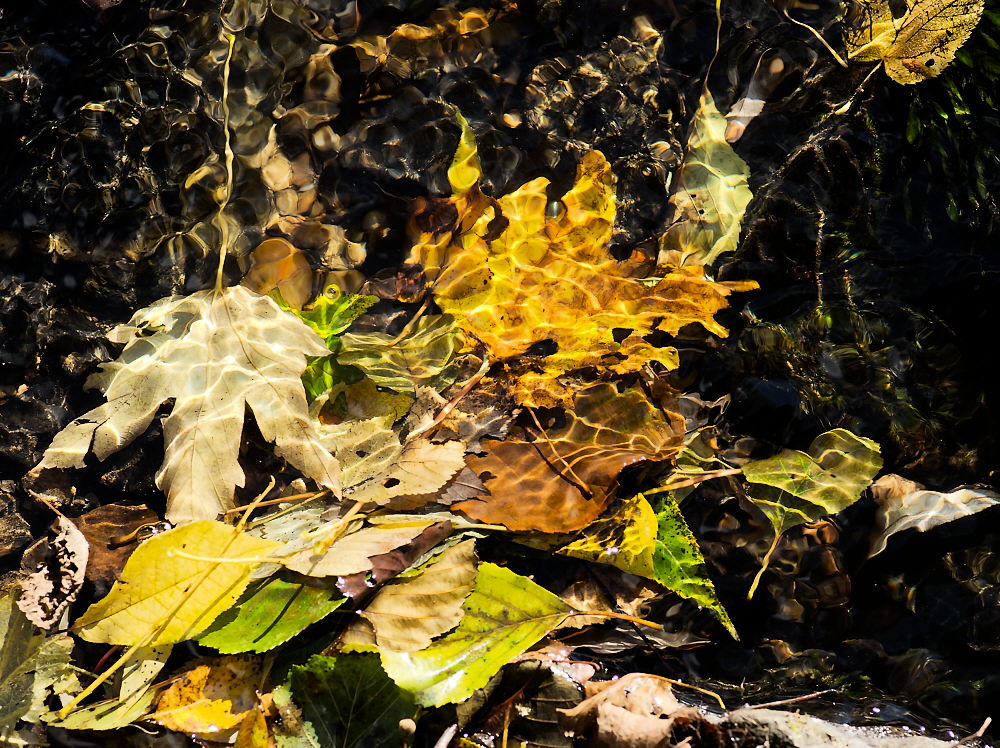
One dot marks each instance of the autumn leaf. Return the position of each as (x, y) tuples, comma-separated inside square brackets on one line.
[(504, 616), (214, 354), (175, 585), (408, 613), (32, 666), (268, 615), (831, 477), (552, 279), (905, 505), (710, 194), (565, 476), (48, 592), (919, 43), (210, 699), (348, 701)]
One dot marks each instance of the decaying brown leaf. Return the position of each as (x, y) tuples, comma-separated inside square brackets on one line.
[(566, 476), (48, 592)]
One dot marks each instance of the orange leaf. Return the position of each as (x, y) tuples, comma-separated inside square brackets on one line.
[(210, 699)]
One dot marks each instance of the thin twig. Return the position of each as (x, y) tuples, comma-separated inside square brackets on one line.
[(796, 700), (450, 405), (977, 734), (694, 481), (310, 495), (409, 325)]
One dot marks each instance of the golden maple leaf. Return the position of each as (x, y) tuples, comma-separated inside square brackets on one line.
[(551, 278)]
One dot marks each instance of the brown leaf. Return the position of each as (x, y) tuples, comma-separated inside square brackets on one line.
[(109, 530), (385, 566), (49, 591), (563, 479)]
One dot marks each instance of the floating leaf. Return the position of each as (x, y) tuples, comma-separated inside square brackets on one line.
[(505, 615), (32, 666), (711, 194), (348, 701), (214, 354), (552, 279), (49, 591), (903, 505), (679, 565), (408, 613), (917, 45), (566, 476), (424, 358), (210, 699), (831, 477), (175, 585), (269, 615), (625, 540)]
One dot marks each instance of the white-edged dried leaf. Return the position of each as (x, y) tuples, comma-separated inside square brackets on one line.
[(48, 592), (214, 353), (904, 505), (409, 613)]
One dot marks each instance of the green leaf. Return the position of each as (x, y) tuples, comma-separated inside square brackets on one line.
[(175, 585), (333, 312), (504, 616), (424, 358), (679, 565), (110, 714), (348, 701), (32, 665), (269, 615), (831, 477)]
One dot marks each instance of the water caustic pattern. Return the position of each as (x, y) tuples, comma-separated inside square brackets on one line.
[(542, 305)]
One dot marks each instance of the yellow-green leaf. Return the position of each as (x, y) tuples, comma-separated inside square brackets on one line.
[(793, 487), (504, 616), (625, 540), (710, 194), (175, 585)]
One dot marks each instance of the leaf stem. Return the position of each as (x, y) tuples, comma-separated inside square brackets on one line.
[(621, 616), (694, 481), (763, 567), (230, 156)]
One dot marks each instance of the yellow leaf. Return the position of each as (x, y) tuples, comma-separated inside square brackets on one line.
[(175, 585), (711, 194), (551, 278), (211, 699), (465, 172), (625, 540), (917, 45)]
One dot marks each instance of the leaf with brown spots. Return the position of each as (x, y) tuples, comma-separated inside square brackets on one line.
[(566, 476)]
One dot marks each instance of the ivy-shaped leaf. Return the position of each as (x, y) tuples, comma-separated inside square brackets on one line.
[(214, 353), (504, 616)]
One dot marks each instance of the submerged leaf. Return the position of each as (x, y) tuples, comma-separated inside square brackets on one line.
[(424, 358), (566, 476), (679, 564), (917, 45), (348, 701), (175, 585), (408, 613), (552, 279), (214, 354), (505, 615), (831, 477), (711, 194), (904, 505), (270, 615), (211, 698)]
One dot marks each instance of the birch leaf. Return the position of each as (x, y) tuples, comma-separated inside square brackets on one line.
[(269, 615), (409, 613), (920, 43), (793, 487), (504, 616), (214, 354), (175, 585), (909, 507), (710, 194)]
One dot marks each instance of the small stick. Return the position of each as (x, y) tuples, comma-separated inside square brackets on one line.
[(694, 481), (281, 500), (408, 327), (977, 734), (450, 405), (795, 700)]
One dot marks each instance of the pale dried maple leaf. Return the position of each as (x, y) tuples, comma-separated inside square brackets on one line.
[(214, 353)]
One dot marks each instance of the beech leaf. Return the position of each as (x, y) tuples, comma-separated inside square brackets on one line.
[(904, 505), (710, 194), (408, 613), (214, 354), (268, 615), (175, 585), (793, 487), (917, 45), (504, 615)]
